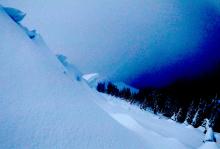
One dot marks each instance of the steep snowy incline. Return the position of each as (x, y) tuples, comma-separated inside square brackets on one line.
[(167, 133), (41, 108)]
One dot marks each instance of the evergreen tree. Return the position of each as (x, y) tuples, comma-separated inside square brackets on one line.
[(190, 114), (209, 136), (174, 117), (199, 116), (112, 90), (215, 111), (144, 104), (134, 98), (155, 107), (206, 124), (140, 96), (125, 93), (101, 87), (157, 104), (180, 115), (169, 107)]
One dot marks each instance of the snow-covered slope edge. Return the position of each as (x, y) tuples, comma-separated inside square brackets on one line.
[(162, 132), (122, 85), (94, 78), (42, 108)]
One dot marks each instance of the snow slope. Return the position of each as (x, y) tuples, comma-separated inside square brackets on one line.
[(157, 131), (209, 145), (41, 108), (72, 70)]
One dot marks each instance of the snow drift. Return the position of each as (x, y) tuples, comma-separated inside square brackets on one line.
[(72, 70), (15, 14), (41, 108)]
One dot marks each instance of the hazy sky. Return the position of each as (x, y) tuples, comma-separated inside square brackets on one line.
[(139, 41)]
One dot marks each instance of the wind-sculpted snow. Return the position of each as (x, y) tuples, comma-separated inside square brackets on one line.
[(92, 79), (15, 14), (41, 108), (32, 34), (73, 72), (18, 16)]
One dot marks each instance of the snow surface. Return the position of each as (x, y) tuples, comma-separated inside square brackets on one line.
[(32, 34), (209, 145), (157, 131), (18, 16), (209, 136), (92, 79), (41, 108), (72, 70), (15, 14)]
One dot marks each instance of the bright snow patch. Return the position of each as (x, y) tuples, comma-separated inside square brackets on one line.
[(209, 136), (90, 77), (209, 145)]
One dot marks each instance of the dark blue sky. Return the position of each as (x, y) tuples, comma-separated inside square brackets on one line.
[(204, 62)]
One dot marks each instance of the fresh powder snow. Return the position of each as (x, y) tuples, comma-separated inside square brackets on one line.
[(42, 108)]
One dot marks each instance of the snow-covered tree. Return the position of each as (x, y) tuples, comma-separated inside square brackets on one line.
[(199, 115), (169, 107), (206, 124), (180, 115), (215, 111), (112, 89), (101, 87), (174, 117), (125, 93), (156, 96), (209, 136), (190, 114)]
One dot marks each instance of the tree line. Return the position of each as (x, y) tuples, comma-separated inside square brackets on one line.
[(186, 108)]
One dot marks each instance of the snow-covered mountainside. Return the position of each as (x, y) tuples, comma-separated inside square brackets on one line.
[(157, 131), (43, 106)]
